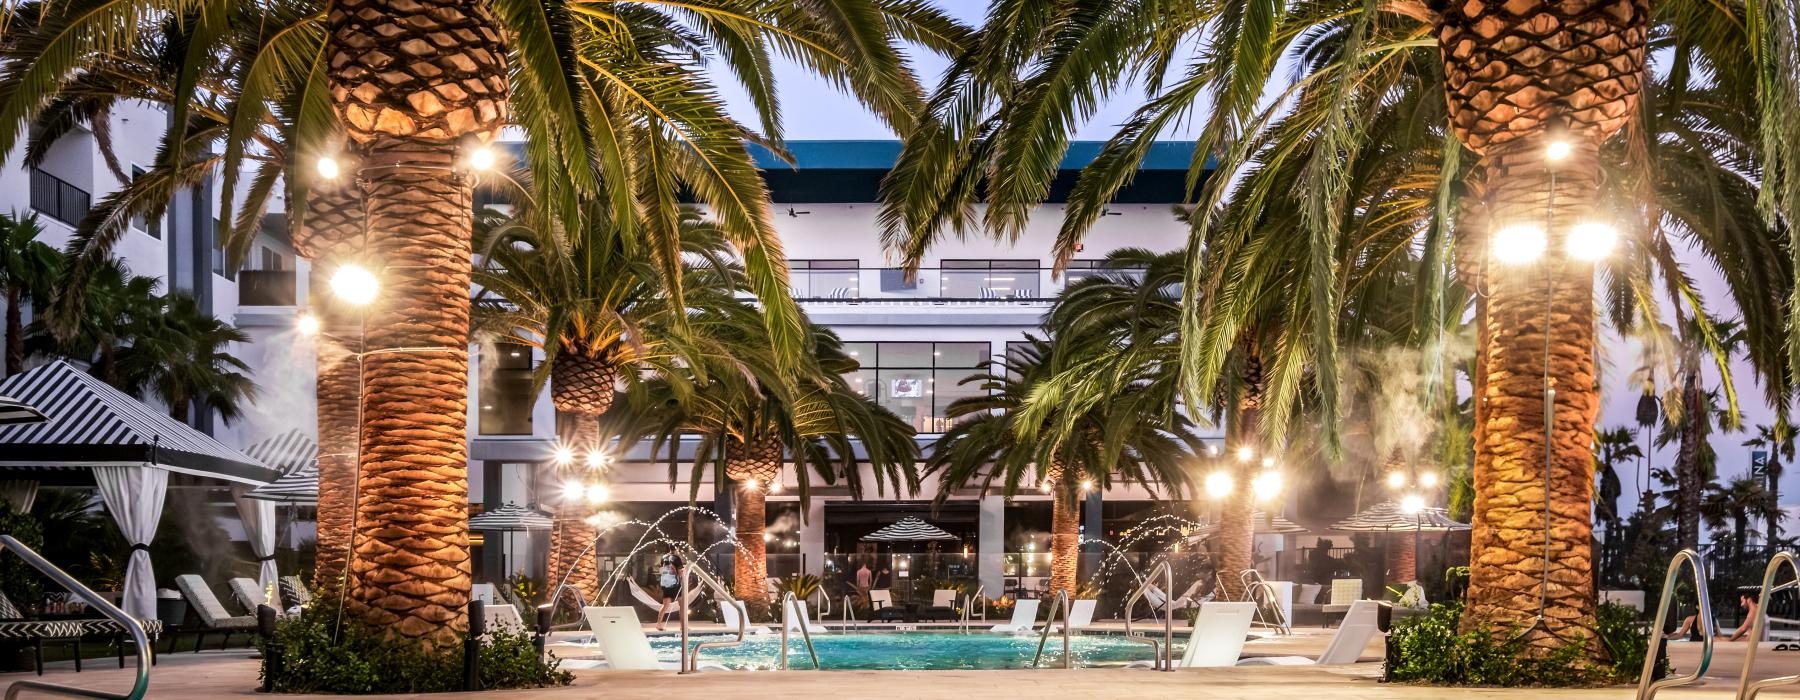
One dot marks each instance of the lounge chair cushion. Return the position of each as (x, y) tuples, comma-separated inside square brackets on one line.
[(8, 611), (40, 629), (295, 592), (207, 607), (152, 627)]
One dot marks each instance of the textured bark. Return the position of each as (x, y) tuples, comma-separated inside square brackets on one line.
[(1689, 482), (1402, 558), (330, 234), (1065, 528), (1237, 526), (1554, 297), (582, 384), (419, 70), (759, 461), (571, 534)]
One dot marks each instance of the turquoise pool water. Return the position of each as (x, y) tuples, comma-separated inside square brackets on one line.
[(914, 651)]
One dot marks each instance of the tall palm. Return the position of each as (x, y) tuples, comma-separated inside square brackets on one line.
[(993, 439), (28, 267), (182, 357), (595, 304), (1778, 441), (1611, 448), (749, 412), (1693, 414), (116, 301), (1736, 504)]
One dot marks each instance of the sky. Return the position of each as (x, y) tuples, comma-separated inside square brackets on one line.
[(814, 110)]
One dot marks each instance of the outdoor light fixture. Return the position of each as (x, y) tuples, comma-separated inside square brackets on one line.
[(1396, 480), (328, 168), (1558, 151), (573, 491), (751, 485), (1428, 479), (481, 159), (775, 486), (596, 459), (563, 456), (1212, 450), (1218, 484), (598, 493), (1591, 241), (355, 285), (307, 324), (1412, 504), (1519, 244), (1245, 453), (1044, 486), (1268, 462), (1087, 484), (1266, 485)]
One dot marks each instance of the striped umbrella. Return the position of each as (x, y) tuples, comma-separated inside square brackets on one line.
[(909, 529), (511, 518), (1264, 524), (298, 487), (287, 452), (1389, 517), (14, 412)]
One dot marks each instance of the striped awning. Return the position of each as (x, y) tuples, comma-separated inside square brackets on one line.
[(909, 529), (510, 518), (298, 487), (1261, 522), (287, 452), (17, 413), (92, 424), (1388, 516)]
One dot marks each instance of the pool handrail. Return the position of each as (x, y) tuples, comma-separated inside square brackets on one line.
[(824, 602), (1254, 584), (1060, 603), (789, 605), (968, 608), (1748, 689), (1647, 687), (690, 658), (140, 683), (1164, 654), (850, 621)]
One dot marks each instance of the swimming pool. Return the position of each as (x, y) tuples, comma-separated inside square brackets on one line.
[(930, 651)]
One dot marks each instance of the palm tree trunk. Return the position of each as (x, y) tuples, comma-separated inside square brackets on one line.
[(15, 330), (1547, 307), (1402, 558), (1237, 529), (331, 234), (1689, 484), (572, 558), (1065, 529), (754, 467)]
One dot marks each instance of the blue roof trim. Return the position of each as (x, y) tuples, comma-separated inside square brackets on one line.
[(881, 155)]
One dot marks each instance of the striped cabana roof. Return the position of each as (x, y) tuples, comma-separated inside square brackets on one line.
[(1388, 516), (1263, 524), (18, 413), (287, 452), (298, 487), (909, 529), (510, 518), (92, 424)]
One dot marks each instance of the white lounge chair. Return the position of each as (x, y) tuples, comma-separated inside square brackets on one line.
[(503, 618), (249, 594), (1344, 592), (213, 617), (943, 598), (621, 637), (796, 616), (1219, 633), (1081, 615), (1361, 623), (882, 598), (729, 614), (1024, 617)]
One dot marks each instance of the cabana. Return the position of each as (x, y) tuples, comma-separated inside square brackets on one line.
[(127, 448)]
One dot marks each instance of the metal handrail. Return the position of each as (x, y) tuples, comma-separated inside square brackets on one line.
[(1746, 688), (139, 685), (1060, 603), (789, 606), (981, 595), (1647, 688), (850, 621), (1253, 584), (968, 608), (690, 658), (824, 601), (1165, 655)]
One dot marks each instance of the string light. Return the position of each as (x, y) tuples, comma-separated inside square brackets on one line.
[(1244, 454), (1396, 480), (1428, 479), (354, 284)]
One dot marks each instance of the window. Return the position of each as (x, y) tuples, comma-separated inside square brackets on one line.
[(1082, 269), (58, 199), (988, 279), (824, 279), (506, 396), (151, 225), (917, 381), (220, 265)]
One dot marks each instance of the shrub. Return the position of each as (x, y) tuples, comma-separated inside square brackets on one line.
[(360, 661), (1431, 649)]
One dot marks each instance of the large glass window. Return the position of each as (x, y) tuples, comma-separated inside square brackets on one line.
[(988, 279), (506, 397), (1083, 269), (824, 279), (917, 380)]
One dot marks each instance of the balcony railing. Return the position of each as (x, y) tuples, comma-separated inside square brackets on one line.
[(936, 285), (266, 288), (56, 198)]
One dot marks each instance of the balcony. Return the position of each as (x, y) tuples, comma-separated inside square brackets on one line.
[(937, 286), (57, 199), (266, 288)]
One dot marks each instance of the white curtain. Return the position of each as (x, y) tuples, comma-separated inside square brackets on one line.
[(20, 493), (134, 496), (259, 527)]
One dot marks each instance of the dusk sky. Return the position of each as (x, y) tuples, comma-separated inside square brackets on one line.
[(814, 110)]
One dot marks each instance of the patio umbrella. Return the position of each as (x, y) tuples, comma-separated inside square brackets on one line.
[(510, 518), (14, 412), (1390, 517), (909, 529), (297, 456), (1264, 524)]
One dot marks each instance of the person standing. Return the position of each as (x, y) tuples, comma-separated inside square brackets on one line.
[(669, 573), (864, 578)]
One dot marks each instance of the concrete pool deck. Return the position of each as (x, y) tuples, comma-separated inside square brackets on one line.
[(233, 673)]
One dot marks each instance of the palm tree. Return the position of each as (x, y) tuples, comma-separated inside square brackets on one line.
[(616, 107), (182, 357), (1737, 503), (115, 302), (1778, 441), (1611, 448), (1693, 412), (750, 411), (993, 439), (27, 267), (596, 305)]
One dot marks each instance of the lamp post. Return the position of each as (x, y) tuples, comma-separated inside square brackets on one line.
[(1411, 485)]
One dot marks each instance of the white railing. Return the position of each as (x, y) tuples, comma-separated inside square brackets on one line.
[(1647, 687), (1164, 652), (690, 658)]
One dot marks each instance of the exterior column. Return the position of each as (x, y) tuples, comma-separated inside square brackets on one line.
[(991, 545), (1093, 527), (812, 539)]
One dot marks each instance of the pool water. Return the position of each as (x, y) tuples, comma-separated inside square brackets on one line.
[(930, 651)]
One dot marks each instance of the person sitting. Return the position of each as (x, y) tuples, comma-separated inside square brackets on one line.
[(1746, 601)]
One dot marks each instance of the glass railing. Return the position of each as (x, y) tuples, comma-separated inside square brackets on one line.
[(937, 285), (266, 288)]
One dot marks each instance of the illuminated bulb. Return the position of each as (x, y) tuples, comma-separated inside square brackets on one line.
[(1520, 244), (307, 324), (1268, 462), (1266, 485), (1087, 484), (750, 485), (1245, 453), (1591, 241), (1412, 504), (1212, 450), (768, 537), (775, 486), (596, 459), (1218, 484), (355, 285), (573, 491), (1044, 486), (481, 158), (563, 456), (1428, 479), (598, 493), (328, 168), (1557, 150), (1396, 480)]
